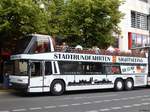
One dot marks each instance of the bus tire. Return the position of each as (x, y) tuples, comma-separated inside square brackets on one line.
[(119, 85), (129, 84), (57, 87)]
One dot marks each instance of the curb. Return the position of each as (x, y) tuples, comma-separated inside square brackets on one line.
[(5, 90)]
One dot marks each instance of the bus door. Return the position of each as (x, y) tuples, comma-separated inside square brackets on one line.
[(36, 78), (47, 72)]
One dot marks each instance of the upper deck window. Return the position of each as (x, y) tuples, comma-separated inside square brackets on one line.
[(38, 44)]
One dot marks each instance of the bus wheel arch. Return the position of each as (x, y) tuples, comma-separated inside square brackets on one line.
[(57, 87), (119, 84), (129, 84)]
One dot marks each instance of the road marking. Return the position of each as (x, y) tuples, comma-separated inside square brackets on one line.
[(136, 105), (115, 99), (35, 108), (63, 105), (116, 108), (104, 110), (92, 111), (76, 98), (146, 103), (131, 98), (102, 96), (49, 107), (97, 101), (19, 110), (107, 100), (84, 97), (147, 99), (139, 96), (126, 106), (85, 103), (146, 96), (4, 111), (88, 97), (124, 98), (75, 104)]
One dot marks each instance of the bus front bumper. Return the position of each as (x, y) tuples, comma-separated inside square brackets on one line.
[(19, 86)]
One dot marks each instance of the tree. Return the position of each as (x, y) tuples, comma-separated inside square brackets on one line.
[(91, 22), (20, 17), (85, 22)]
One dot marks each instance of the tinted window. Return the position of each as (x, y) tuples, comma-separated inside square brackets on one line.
[(70, 67), (48, 68), (110, 70), (81, 68), (36, 69), (92, 68)]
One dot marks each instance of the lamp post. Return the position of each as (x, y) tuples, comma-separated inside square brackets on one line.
[(149, 26), (149, 44)]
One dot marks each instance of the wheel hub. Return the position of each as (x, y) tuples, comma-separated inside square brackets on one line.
[(57, 87), (129, 84), (119, 85)]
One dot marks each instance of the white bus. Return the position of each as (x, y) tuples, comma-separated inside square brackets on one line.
[(56, 72)]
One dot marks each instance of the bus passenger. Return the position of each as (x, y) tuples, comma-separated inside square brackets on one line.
[(79, 47), (64, 47), (97, 50)]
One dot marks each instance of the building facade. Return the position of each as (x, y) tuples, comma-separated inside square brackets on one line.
[(135, 24)]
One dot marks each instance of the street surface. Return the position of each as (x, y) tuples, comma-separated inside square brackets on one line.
[(137, 100)]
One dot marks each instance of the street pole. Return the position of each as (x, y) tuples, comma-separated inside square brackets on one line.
[(149, 44)]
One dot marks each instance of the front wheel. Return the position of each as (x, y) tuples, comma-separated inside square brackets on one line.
[(57, 87)]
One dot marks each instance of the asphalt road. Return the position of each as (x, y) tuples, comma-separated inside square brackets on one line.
[(94, 101)]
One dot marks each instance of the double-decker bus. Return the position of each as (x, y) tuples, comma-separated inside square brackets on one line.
[(44, 67)]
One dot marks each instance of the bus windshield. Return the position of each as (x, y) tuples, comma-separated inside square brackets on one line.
[(20, 67)]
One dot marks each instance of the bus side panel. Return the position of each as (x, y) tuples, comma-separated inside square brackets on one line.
[(84, 82), (148, 81), (139, 79), (81, 82), (36, 84)]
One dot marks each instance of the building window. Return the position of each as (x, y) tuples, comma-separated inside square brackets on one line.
[(138, 40), (144, 1), (139, 20), (133, 19)]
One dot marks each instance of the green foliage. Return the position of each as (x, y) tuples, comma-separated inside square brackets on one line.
[(55, 11), (92, 22), (85, 22), (20, 17)]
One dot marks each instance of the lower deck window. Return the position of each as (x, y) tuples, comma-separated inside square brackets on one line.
[(83, 68)]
